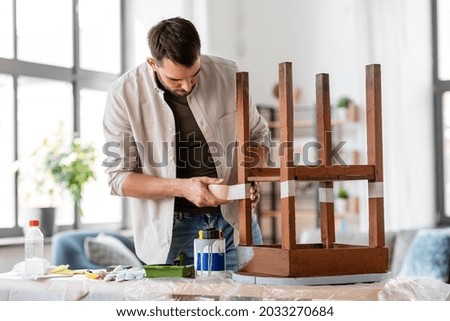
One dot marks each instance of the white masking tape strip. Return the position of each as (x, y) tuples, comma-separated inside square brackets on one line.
[(376, 190), (287, 188), (230, 192), (326, 195), (240, 191)]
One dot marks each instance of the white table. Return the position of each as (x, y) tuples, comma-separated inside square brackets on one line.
[(13, 287)]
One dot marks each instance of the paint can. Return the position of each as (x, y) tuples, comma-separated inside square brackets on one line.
[(209, 253)]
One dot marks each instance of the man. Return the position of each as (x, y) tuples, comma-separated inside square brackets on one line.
[(173, 119)]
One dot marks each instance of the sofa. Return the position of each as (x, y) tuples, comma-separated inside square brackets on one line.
[(412, 253), (89, 249)]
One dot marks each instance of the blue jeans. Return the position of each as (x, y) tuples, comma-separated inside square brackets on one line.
[(185, 230)]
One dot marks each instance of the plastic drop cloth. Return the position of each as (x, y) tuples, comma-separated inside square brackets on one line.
[(220, 287)]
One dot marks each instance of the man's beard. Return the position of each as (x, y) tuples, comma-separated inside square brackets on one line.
[(178, 92), (181, 93)]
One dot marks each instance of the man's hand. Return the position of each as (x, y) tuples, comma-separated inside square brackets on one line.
[(196, 190), (255, 194)]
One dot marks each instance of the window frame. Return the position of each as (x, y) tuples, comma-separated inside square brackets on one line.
[(439, 88), (80, 79)]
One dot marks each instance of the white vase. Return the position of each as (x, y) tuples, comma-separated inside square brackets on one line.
[(341, 113), (340, 205)]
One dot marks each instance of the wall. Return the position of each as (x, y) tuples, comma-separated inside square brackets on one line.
[(337, 37), (401, 41)]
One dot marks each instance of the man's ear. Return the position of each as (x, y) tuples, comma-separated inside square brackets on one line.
[(152, 63)]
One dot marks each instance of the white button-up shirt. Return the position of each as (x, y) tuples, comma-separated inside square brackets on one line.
[(139, 130)]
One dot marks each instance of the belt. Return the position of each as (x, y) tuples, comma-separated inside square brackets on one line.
[(182, 215)]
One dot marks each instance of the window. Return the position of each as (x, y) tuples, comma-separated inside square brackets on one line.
[(38, 38), (37, 97), (57, 59), (441, 79), (99, 30), (7, 134), (443, 34), (91, 115), (6, 29)]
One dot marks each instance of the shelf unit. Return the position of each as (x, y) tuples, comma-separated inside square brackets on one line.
[(307, 213)]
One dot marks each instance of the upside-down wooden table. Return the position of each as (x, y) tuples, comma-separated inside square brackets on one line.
[(328, 258)]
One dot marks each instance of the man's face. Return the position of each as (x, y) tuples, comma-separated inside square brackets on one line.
[(175, 78)]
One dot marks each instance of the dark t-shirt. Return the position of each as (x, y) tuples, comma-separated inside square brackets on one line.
[(193, 155)]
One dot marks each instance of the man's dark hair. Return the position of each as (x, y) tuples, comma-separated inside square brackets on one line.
[(176, 39)]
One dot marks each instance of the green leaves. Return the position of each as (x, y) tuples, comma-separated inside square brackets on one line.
[(72, 168), (343, 101), (342, 193)]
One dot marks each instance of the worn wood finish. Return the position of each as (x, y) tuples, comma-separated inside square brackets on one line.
[(324, 138), (243, 144), (375, 151), (323, 119), (286, 101), (268, 261), (339, 261), (310, 260), (316, 173)]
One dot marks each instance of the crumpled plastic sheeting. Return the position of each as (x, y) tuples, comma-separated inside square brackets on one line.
[(178, 289), (258, 292), (14, 288), (223, 288), (415, 289)]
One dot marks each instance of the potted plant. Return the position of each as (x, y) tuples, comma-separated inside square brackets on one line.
[(341, 107), (52, 168), (341, 201), (72, 167)]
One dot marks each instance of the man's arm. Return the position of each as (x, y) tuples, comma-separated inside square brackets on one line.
[(122, 162), (151, 187), (258, 156)]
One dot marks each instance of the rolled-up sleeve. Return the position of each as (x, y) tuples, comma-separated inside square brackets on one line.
[(121, 155), (259, 130)]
